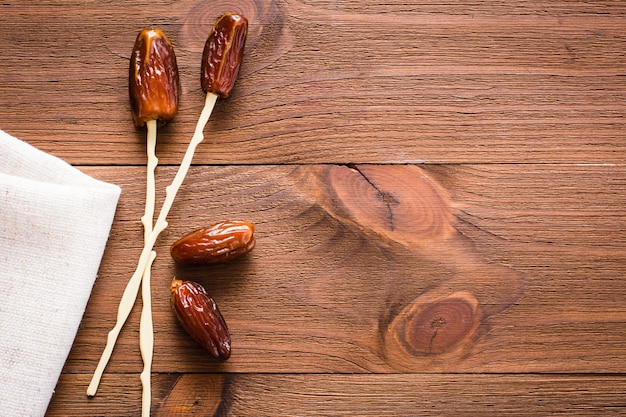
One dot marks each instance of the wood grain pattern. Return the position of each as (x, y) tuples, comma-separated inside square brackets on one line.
[(325, 292), (438, 191), (345, 395), (332, 82), (313, 297)]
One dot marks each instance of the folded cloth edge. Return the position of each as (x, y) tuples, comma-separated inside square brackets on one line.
[(50, 207)]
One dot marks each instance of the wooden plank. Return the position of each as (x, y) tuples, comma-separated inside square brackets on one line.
[(350, 395), (376, 268), (438, 190), (331, 82)]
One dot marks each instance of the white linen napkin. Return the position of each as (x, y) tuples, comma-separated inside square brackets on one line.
[(54, 225)]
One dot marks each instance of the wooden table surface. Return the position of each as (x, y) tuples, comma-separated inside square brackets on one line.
[(438, 190)]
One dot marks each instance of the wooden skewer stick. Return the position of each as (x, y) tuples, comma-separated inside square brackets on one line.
[(146, 330)]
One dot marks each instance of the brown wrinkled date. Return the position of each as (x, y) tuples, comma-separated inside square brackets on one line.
[(198, 314), (223, 53), (218, 243), (153, 78)]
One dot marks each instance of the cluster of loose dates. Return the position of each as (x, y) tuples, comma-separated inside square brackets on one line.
[(194, 308)]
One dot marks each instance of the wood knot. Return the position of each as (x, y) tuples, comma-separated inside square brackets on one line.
[(438, 323), (194, 394), (436, 326), (268, 37), (204, 14)]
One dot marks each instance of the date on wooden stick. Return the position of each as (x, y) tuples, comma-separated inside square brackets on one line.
[(154, 89)]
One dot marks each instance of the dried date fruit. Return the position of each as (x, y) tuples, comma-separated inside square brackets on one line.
[(154, 82), (217, 243), (223, 53), (199, 315)]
